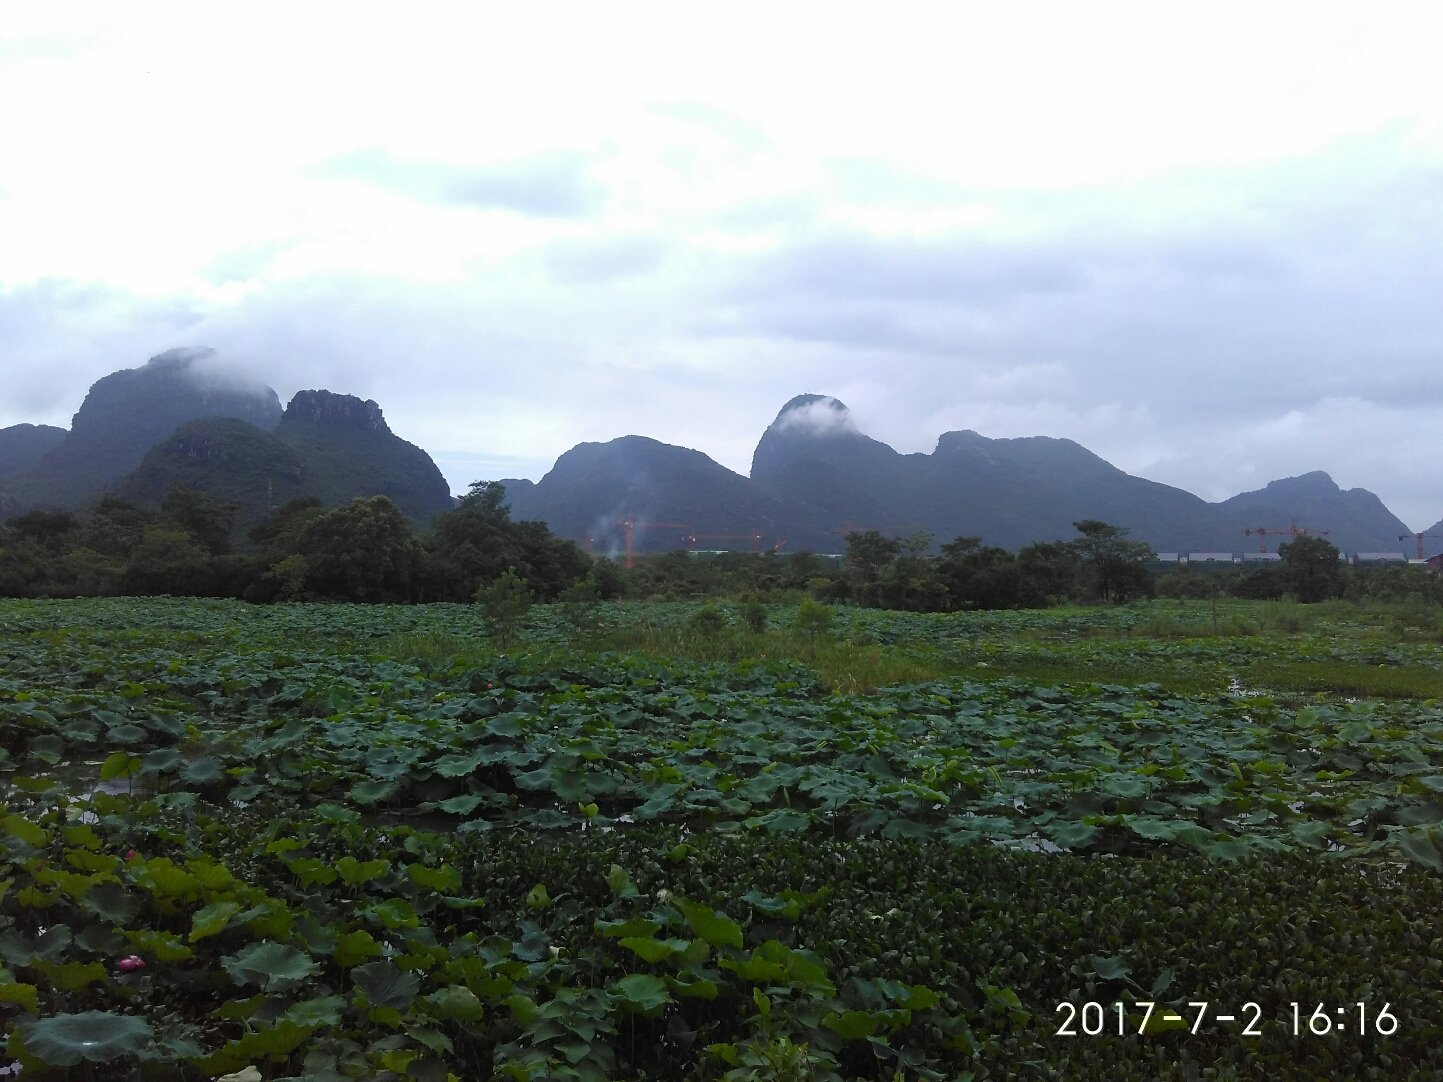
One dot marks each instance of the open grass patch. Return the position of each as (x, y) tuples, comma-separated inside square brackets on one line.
[(1346, 678)]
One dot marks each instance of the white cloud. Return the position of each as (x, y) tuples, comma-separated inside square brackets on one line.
[(518, 229)]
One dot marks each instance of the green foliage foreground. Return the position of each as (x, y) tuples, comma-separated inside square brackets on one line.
[(320, 862)]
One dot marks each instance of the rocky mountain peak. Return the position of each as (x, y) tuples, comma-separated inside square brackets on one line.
[(327, 407)]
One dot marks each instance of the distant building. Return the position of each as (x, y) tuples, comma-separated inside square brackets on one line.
[(1261, 557), (1379, 558), (1166, 557), (1211, 558), (1435, 563)]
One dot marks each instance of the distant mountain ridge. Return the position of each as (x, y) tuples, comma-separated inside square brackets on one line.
[(815, 475), (184, 420), (22, 446)]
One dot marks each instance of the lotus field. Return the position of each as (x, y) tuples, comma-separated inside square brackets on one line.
[(662, 841)]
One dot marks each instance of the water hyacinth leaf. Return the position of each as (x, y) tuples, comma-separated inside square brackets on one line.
[(537, 897), (1111, 969), (273, 966), (386, 986), (63, 1040)]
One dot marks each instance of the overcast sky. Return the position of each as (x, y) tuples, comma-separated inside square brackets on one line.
[(1205, 242)]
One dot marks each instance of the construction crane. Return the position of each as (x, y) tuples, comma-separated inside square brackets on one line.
[(630, 525), (1419, 536), (1293, 530)]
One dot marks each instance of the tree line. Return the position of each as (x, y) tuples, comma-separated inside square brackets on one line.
[(368, 551), (365, 550)]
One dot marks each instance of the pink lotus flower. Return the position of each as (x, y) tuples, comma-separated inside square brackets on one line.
[(131, 854), (131, 964)]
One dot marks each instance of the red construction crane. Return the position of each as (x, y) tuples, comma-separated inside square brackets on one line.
[(1293, 529), (1419, 536), (629, 524)]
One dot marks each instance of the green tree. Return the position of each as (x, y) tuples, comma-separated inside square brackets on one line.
[(1118, 566), (505, 602), (1312, 570), (51, 530), (869, 553), (116, 527), (1047, 573), (362, 551), (207, 520), (581, 604), (168, 561), (487, 498), (813, 619), (978, 576), (476, 541)]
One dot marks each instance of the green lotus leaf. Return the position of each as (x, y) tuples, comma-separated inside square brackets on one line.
[(273, 966), (456, 1003), (386, 986), (444, 879), (320, 1011), (716, 928), (203, 771), (1421, 847), (464, 804), (64, 1040), (642, 991), (212, 920)]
